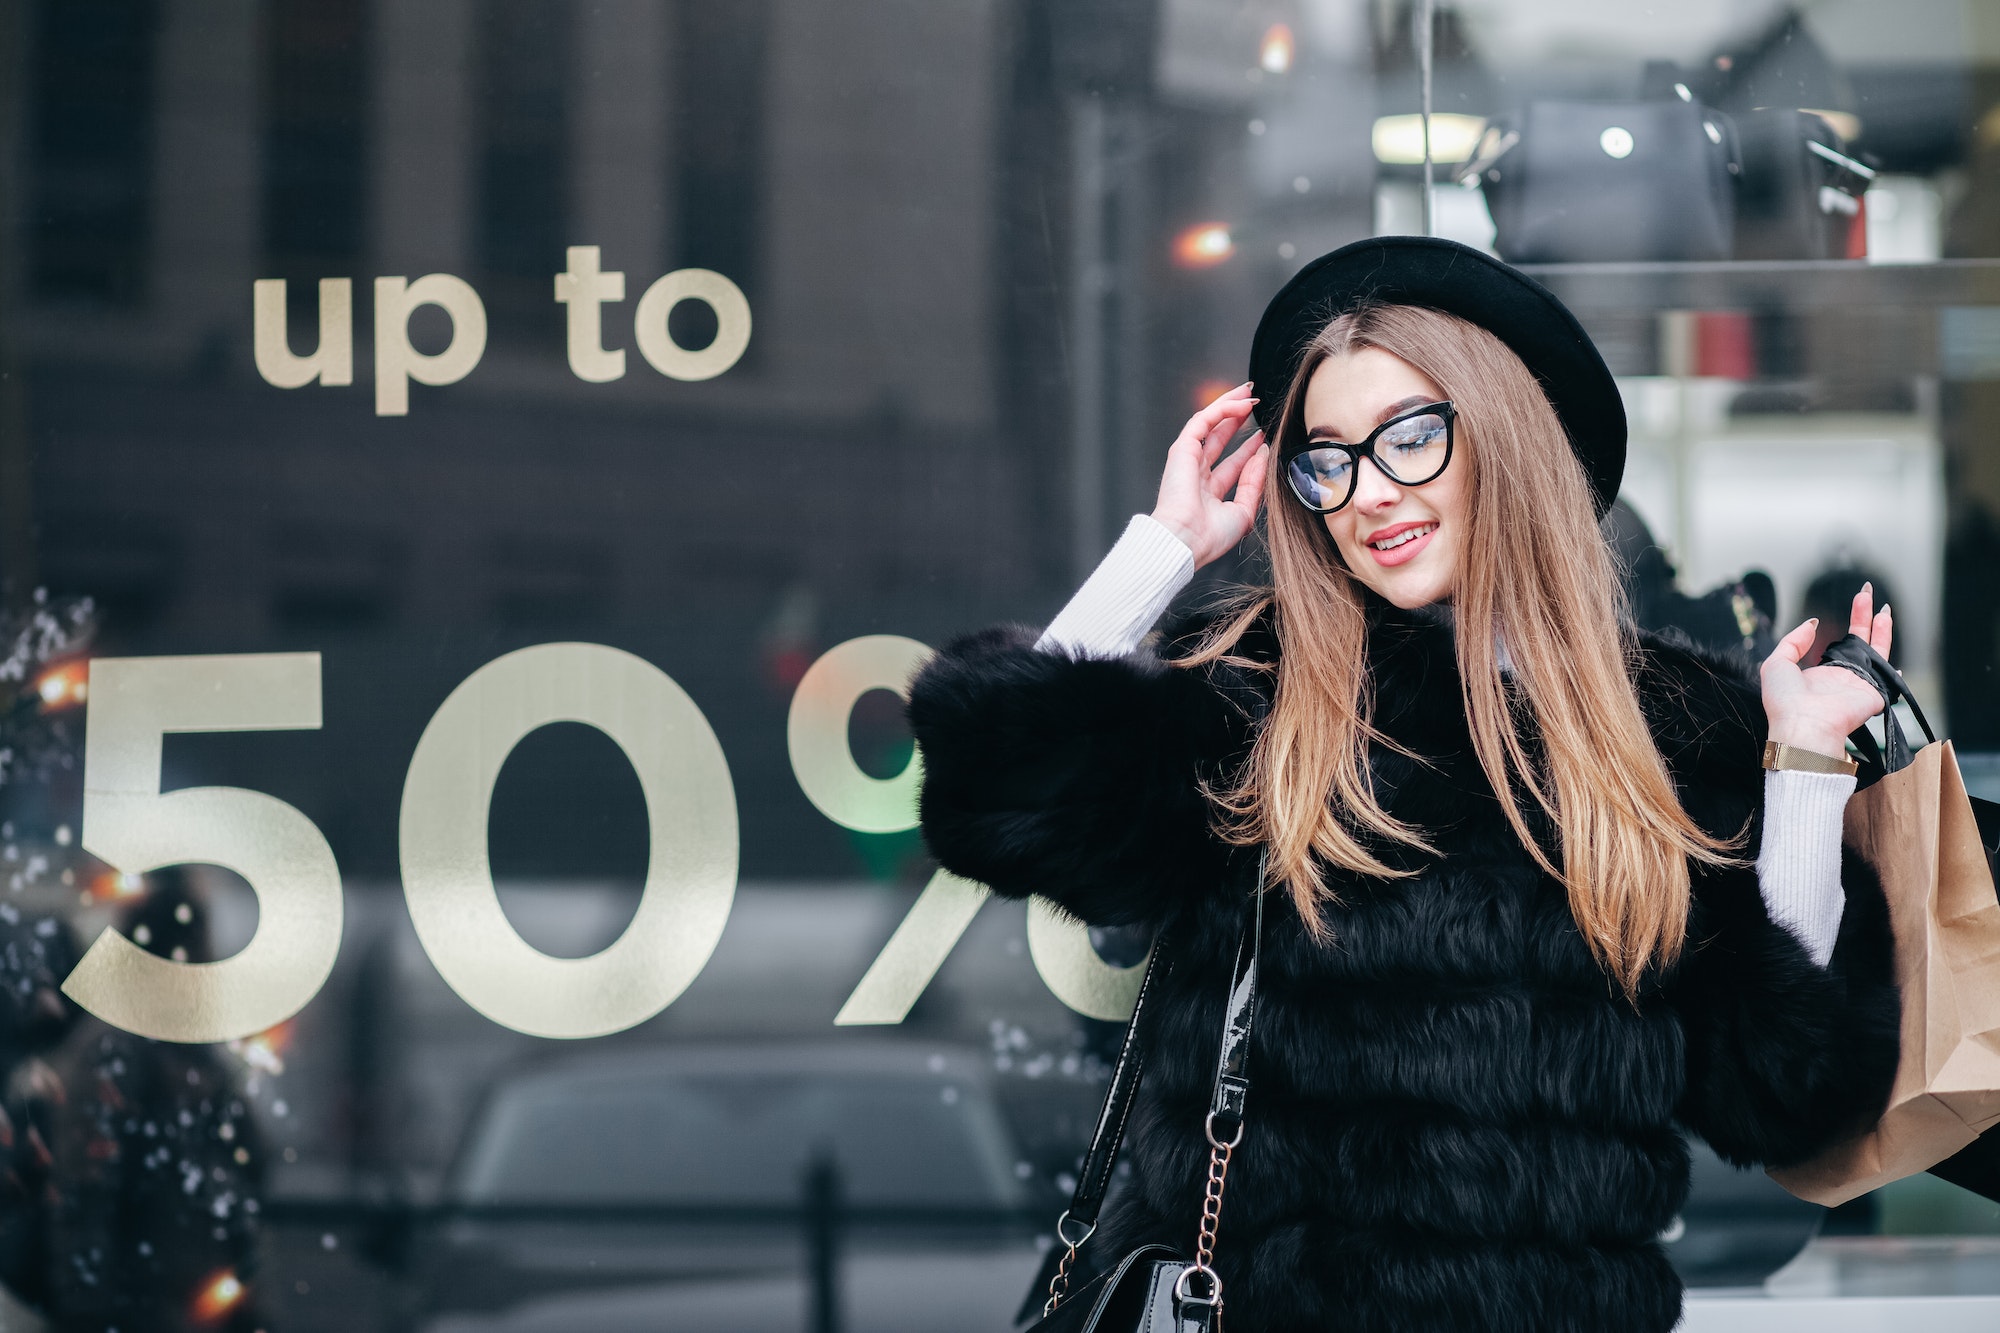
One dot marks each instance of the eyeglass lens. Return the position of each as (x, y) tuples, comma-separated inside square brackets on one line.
[(1411, 452)]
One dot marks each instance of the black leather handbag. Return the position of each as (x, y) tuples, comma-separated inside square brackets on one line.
[(1155, 1288), (1799, 195), (1585, 182)]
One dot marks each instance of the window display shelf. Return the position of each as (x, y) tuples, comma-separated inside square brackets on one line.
[(1778, 285)]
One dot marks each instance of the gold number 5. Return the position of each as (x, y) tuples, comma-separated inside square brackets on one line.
[(130, 823)]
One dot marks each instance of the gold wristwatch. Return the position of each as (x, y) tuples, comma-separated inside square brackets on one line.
[(1778, 755)]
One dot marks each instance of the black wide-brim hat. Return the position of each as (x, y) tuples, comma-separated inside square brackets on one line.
[(1459, 280)]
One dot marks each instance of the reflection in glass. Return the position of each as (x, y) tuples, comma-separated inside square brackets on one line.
[(993, 251), (738, 1126)]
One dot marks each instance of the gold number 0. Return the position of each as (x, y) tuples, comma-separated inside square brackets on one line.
[(816, 734), (690, 871)]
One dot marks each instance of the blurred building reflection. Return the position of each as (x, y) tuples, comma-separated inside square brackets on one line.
[(995, 251)]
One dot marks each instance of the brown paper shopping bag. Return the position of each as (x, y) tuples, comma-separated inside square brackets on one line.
[(1915, 826)]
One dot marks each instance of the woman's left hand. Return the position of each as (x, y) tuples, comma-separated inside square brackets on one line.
[(1816, 709)]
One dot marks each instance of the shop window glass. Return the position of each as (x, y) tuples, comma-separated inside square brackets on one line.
[(315, 136), (335, 580), (90, 203), (994, 251), (523, 107), (719, 94), (740, 1127), (546, 579), (132, 572)]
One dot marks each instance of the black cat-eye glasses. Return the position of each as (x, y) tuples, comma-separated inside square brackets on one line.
[(1410, 449)]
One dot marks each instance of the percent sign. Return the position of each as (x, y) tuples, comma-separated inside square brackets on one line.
[(816, 733)]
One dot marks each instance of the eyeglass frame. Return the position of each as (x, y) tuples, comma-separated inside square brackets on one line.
[(1366, 449)]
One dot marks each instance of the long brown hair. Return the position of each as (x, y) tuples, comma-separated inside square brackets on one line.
[(1535, 575)]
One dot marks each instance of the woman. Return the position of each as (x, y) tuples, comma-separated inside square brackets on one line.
[(1533, 904)]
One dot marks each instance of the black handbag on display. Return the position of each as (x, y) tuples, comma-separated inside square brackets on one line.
[(1582, 182), (1799, 194), (1155, 1288)]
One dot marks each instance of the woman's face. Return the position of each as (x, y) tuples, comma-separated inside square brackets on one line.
[(1347, 397)]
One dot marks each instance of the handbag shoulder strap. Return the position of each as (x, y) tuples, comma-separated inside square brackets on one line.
[(1232, 1082), (1094, 1177), (1232, 1066)]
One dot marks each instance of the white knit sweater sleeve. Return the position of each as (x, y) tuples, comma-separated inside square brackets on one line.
[(1128, 591), (1798, 861)]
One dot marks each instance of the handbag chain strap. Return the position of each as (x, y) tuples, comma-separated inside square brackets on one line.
[(1199, 1284), (1219, 1152), (1226, 1104), (1059, 1284)]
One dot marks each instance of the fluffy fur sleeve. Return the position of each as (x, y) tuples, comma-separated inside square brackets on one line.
[(1783, 1058), (1076, 780)]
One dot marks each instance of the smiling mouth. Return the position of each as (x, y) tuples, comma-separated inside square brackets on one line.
[(1406, 536)]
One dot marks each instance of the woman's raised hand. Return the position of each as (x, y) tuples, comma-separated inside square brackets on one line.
[(1195, 503), (1816, 709)]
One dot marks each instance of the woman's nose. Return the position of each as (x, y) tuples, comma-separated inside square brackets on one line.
[(1372, 488)]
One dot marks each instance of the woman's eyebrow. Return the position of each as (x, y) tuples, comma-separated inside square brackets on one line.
[(1414, 400)]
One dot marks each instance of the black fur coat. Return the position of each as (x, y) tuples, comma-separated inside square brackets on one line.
[(1457, 1121)]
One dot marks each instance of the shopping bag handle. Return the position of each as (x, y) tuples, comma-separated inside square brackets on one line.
[(1854, 653)]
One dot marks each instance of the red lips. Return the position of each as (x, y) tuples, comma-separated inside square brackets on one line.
[(1399, 555), (1383, 534)]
